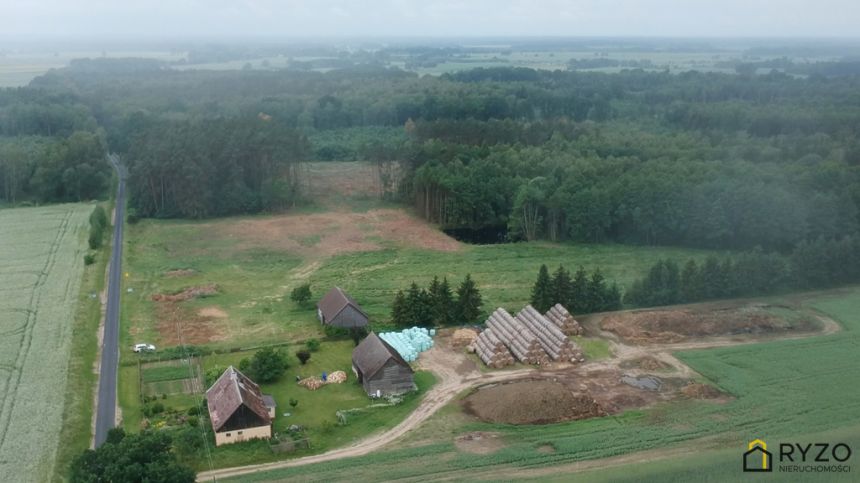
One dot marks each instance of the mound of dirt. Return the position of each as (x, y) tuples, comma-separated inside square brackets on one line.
[(479, 442), (530, 402), (670, 326), (696, 390), (646, 363), (187, 293)]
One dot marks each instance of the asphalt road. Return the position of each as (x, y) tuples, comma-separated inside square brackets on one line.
[(106, 402)]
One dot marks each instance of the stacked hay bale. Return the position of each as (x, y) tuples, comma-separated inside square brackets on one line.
[(463, 338), (552, 339), (559, 315), (522, 343), (492, 350)]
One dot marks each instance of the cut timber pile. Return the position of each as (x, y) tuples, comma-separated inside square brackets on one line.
[(523, 343), (492, 350), (559, 315), (551, 338)]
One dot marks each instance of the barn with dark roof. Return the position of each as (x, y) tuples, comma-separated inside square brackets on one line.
[(338, 309), (238, 410), (380, 368)]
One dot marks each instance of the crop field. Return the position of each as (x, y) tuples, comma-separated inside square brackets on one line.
[(782, 389), (42, 262)]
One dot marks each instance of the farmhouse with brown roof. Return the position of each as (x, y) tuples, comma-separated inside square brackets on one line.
[(340, 310), (238, 410), (380, 368)]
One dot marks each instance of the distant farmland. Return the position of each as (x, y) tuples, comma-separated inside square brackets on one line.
[(41, 261)]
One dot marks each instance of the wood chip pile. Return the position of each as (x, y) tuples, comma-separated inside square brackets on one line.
[(559, 315), (492, 350), (551, 338), (313, 383), (522, 342)]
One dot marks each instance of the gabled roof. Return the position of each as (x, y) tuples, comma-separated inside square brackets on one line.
[(335, 301), (373, 353), (232, 390)]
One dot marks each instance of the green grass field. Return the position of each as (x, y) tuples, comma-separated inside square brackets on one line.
[(254, 282), (42, 266), (784, 390)]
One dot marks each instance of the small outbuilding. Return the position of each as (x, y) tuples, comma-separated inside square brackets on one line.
[(238, 410), (380, 369), (338, 309)]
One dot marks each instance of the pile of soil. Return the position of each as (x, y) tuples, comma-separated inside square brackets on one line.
[(187, 293), (530, 402), (646, 363), (670, 326), (696, 390)]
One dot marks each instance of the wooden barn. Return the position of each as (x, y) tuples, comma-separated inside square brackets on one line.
[(380, 368), (238, 410), (338, 309)]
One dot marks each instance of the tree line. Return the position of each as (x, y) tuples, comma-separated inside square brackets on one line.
[(196, 169), (437, 305), (820, 263), (581, 294)]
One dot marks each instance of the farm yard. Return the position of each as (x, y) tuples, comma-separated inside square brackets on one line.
[(648, 375), (42, 262), (720, 400)]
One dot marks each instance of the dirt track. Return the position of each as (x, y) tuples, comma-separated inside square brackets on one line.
[(452, 379), (455, 373)]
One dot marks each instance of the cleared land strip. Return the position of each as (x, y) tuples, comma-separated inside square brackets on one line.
[(37, 305)]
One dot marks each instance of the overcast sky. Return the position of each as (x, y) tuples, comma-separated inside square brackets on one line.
[(303, 18)]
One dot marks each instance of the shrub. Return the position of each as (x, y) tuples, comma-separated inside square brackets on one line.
[(301, 294), (89, 259), (267, 365), (313, 345), (304, 356), (294, 403)]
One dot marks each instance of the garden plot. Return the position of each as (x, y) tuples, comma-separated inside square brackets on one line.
[(42, 264), (181, 376)]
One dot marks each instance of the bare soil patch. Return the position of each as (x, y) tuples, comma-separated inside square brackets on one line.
[(546, 448), (530, 402), (184, 272), (187, 293), (678, 325), (177, 325), (479, 442), (213, 312), (646, 363), (696, 390), (332, 233)]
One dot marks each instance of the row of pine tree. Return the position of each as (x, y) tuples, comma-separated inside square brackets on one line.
[(582, 293), (436, 305)]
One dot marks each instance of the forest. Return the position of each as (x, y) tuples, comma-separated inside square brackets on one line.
[(693, 159)]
